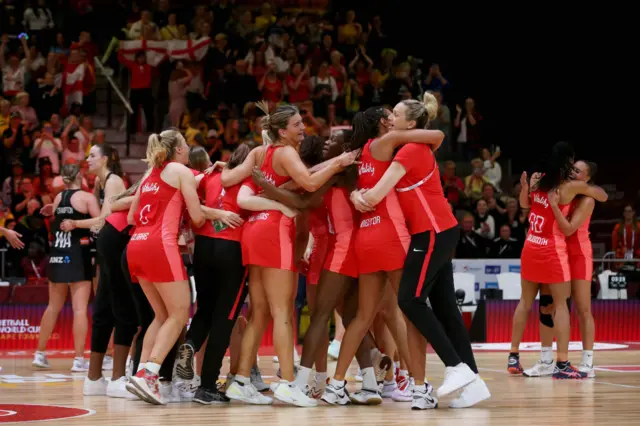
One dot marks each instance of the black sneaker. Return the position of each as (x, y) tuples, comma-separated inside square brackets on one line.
[(208, 397), (184, 367)]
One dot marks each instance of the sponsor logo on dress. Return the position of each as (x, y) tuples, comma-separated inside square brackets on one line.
[(259, 216), (366, 168), (538, 240), (150, 187), (59, 259), (140, 237), (541, 200), (370, 222)]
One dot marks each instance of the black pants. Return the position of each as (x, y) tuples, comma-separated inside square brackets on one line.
[(141, 98), (145, 317), (428, 273), (220, 283), (113, 306)]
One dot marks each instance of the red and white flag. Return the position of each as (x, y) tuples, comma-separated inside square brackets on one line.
[(176, 50), (73, 83)]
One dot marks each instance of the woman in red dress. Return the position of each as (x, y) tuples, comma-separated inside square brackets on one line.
[(545, 259), (268, 250), (153, 254)]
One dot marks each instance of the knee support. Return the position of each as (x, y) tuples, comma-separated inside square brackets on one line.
[(546, 300)]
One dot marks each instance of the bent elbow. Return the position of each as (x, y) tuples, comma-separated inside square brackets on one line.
[(198, 220), (243, 203)]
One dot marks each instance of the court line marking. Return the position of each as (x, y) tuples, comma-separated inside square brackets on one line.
[(89, 412), (493, 370)]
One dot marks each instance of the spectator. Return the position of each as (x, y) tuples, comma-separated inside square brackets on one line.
[(43, 182), (13, 71), (625, 239), (35, 264), (48, 146), (84, 44), (484, 223), (162, 13), (435, 81), (27, 113), (60, 47), (474, 183), (399, 87), (468, 125), (171, 31), (32, 226), (48, 97), (505, 247), (492, 169), (72, 149), (376, 38), (349, 33), (496, 206), (5, 216), (16, 142), (516, 218), (325, 92), (471, 245), (373, 92), (36, 19), (271, 86), (178, 82), (5, 115), (265, 19), (144, 26), (452, 184), (12, 184), (141, 95), (298, 84)]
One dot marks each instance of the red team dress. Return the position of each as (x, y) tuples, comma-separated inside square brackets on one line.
[(544, 258), (420, 191), (320, 234), (210, 192), (153, 253), (382, 240), (268, 236), (119, 220), (342, 228), (580, 251)]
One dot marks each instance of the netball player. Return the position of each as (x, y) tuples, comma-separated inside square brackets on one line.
[(381, 241), (69, 267), (428, 271), (545, 258), (153, 254), (267, 244), (576, 229)]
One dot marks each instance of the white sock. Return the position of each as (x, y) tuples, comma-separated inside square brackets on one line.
[(587, 358), (374, 352), (141, 366), (369, 379), (396, 364), (302, 378), (546, 354), (403, 373), (242, 379), (421, 388), (337, 383), (153, 367), (79, 358), (321, 380)]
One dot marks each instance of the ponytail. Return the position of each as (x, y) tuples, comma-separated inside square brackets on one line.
[(113, 158), (162, 147), (430, 105)]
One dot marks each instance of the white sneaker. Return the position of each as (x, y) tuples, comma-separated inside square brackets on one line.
[(40, 360), (540, 369), (187, 388), (366, 397), (336, 393), (456, 378), (422, 398), (129, 368), (474, 393), (118, 388), (80, 365), (388, 388), (95, 387), (247, 393), (359, 377), (107, 363), (334, 349), (584, 368), (290, 393), (406, 394), (171, 393)]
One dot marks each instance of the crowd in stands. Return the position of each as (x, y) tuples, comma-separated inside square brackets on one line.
[(330, 66)]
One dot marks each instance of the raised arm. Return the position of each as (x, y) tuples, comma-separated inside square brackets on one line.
[(524, 191), (576, 187), (389, 180), (578, 217), (236, 175)]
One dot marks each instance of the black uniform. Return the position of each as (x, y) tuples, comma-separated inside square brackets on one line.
[(70, 256)]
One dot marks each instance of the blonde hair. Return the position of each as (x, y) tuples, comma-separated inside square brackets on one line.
[(421, 112), (162, 147), (70, 173), (278, 120)]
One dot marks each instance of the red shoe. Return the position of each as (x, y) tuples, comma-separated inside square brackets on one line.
[(148, 384)]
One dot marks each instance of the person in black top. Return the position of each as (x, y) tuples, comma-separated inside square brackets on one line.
[(471, 245), (69, 266), (505, 247)]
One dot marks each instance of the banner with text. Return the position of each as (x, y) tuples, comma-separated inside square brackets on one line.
[(486, 270)]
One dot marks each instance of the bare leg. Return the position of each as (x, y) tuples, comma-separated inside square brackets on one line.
[(176, 298), (321, 354), (160, 316), (529, 291), (57, 297), (80, 293), (561, 320), (581, 292)]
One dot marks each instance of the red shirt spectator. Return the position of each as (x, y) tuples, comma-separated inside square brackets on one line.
[(141, 72), (298, 84), (453, 185), (271, 86)]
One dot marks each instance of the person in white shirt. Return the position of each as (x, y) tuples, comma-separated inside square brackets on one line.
[(138, 28), (48, 146), (13, 72), (492, 169), (37, 18)]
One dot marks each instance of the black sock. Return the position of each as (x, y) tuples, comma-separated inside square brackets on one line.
[(514, 355), (562, 364)]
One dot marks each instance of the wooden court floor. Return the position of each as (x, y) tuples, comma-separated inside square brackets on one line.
[(612, 398)]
